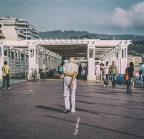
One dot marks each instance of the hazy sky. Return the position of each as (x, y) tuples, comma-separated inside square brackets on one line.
[(97, 16)]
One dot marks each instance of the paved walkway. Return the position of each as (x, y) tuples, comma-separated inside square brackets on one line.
[(12, 81), (34, 110)]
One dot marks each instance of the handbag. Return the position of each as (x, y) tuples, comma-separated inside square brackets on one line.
[(126, 76)]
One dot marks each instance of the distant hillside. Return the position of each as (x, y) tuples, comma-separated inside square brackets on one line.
[(84, 34), (136, 48), (65, 34)]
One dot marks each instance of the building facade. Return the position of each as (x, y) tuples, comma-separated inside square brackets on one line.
[(12, 28), (135, 59)]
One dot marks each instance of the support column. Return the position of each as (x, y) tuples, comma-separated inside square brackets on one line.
[(50, 62), (1, 59), (91, 63), (32, 60), (123, 59), (119, 59)]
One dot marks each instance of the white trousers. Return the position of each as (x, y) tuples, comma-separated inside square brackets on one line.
[(69, 94)]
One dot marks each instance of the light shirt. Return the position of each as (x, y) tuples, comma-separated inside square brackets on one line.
[(60, 68), (97, 69), (106, 69), (142, 68), (113, 69), (5, 70), (70, 67)]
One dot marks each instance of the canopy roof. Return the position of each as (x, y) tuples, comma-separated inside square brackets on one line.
[(76, 48)]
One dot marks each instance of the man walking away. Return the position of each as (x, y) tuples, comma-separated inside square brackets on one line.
[(70, 71), (6, 75), (79, 70), (142, 69), (131, 75)]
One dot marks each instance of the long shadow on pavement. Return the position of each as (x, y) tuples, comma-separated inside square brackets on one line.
[(93, 103), (109, 98), (94, 126), (49, 108), (106, 113)]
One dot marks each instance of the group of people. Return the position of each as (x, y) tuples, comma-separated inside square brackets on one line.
[(131, 72), (45, 73), (104, 72), (70, 71)]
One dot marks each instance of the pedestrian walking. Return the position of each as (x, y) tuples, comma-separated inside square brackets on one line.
[(106, 75), (70, 71), (131, 74), (113, 73), (101, 72), (79, 70), (142, 69), (140, 76), (6, 75), (97, 72), (60, 70)]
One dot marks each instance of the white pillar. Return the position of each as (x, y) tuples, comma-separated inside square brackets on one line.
[(32, 59), (123, 59), (37, 56), (91, 63), (119, 60), (48, 62), (51, 61), (1, 59)]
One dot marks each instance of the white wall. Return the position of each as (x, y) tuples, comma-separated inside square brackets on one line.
[(9, 32)]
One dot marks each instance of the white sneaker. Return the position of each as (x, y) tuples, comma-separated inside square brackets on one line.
[(104, 85), (72, 111), (8, 88)]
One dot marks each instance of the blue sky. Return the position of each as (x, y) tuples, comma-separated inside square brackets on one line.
[(96, 16)]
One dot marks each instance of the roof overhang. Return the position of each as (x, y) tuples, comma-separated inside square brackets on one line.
[(76, 48)]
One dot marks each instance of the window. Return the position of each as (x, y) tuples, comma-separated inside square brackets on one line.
[(22, 56), (91, 53), (5, 52), (122, 53), (12, 55), (117, 54)]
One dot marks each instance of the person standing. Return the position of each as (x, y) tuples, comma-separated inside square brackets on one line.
[(133, 82), (106, 75), (70, 71), (60, 70), (97, 72), (79, 70), (113, 73), (6, 75), (140, 76), (101, 72), (142, 70), (131, 74)]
